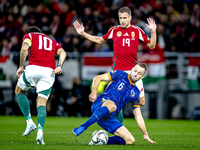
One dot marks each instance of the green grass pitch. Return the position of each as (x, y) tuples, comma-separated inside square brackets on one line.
[(169, 134)]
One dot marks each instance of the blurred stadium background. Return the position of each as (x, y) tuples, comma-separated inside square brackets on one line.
[(172, 81)]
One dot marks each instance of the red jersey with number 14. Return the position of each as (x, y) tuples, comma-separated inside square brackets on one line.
[(42, 49), (125, 45)]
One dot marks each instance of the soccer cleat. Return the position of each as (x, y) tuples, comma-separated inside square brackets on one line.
[(78, 131), (39, 139), (29, 129)]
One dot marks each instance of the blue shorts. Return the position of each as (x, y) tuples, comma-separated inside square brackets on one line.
[(108, 122)]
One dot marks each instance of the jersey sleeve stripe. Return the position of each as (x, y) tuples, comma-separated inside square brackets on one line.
[(110, 79), (111, 34), (109, 84), (138, 28), (140, 36), (30, 36), (136, 105)]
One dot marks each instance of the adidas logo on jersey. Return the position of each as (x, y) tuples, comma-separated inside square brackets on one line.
[(126, 34)]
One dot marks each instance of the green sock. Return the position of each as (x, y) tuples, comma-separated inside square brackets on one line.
[(41, 116), (120, 116), (24, 105)]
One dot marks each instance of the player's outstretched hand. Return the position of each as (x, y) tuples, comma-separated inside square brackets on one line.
[(93, 96), (151, 24), (19, 71), (79, 27), (146, 137), (58, 70)]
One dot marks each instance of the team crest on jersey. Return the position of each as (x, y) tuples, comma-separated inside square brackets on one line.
[(133, 34), (119, 33), (132, 94)]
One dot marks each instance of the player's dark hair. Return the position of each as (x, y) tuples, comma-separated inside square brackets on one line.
[(33, 29), (142, 65), (125, 10)]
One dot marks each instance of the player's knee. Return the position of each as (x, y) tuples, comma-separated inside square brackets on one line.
[(110, 105), (112, 108), (130, 141), (18, 90), (41, 101), (142, 103)]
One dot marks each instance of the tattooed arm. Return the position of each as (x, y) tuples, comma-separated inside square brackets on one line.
[(62, 55), (23, 55)]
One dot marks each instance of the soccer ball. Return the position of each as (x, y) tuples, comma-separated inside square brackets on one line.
[(99, 137)]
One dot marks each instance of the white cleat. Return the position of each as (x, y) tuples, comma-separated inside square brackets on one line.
[(91, 143), (29, 129), (39, 139)]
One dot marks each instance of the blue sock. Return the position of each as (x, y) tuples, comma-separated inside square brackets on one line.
[(97, 115), (116, 140)]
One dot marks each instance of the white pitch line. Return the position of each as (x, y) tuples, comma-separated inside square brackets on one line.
[(91, 132)]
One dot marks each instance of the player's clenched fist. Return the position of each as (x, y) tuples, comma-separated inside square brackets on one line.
[(58, 70), (93, 96)]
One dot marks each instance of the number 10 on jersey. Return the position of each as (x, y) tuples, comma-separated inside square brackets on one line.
[(43, 43)]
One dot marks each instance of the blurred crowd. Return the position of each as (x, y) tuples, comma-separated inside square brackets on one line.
[(178, 30), (178, 22)]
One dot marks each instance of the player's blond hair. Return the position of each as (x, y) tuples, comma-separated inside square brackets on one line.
[(125, 10)]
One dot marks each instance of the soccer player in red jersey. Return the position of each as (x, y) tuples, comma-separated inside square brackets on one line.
[(39, 73), (126, 39)]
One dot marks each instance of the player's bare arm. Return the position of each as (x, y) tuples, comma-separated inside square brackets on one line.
[(62, 55), (142, 101), (140, 121), (81, 30), (23, 55), (152, 26), (95, 84)]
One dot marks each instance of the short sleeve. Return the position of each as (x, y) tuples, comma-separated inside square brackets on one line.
[(116, 75), (27, 36), (58, 46), (143, 37), (108, 35), (140, 86), (135, 103), (27, 39)]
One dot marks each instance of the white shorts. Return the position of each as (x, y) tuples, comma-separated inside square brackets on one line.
[(139, 84), (41, 78)]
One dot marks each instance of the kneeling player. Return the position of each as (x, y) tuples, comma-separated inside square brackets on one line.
[(107, 106)]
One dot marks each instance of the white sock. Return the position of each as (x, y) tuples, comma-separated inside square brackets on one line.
[(40, 132), (29, 121)]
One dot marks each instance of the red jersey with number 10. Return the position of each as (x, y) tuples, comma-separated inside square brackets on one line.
[(125, 45), (42, 50)]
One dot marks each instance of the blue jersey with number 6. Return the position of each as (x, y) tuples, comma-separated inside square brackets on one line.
[(120, 90)]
